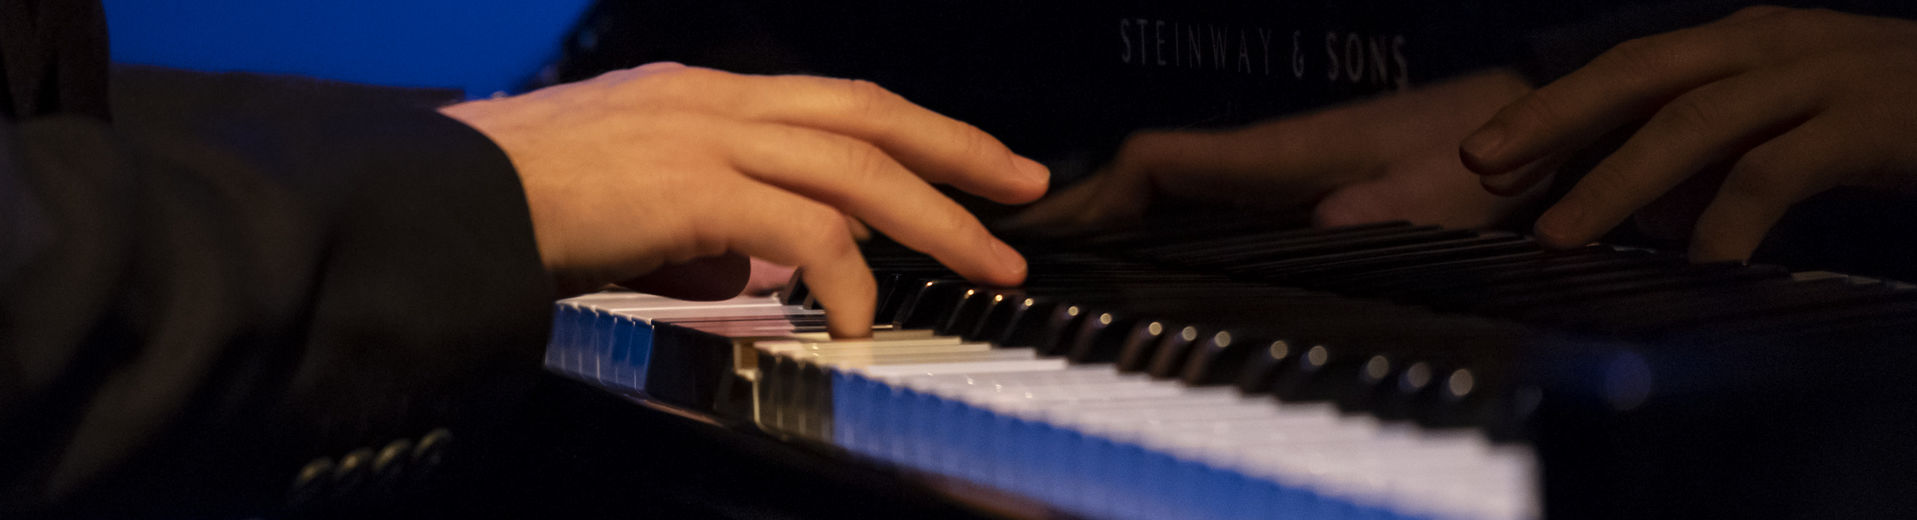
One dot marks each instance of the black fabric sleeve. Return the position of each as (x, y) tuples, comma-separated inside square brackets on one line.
[(242, 272)]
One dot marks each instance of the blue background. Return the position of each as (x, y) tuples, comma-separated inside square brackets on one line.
[(481, 46)]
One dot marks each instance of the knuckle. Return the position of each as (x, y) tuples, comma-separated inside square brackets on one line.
[(673, 82), (1691, 114), (1539, 110), (1760, 175), (866, 164), (1609, 182), (686, 73), (974, 142), (824, 235), (1143, 149), (866, 97), (955, 222), (1636, 60)]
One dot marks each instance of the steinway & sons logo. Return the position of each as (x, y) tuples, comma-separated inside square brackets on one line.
[(1344, 57)]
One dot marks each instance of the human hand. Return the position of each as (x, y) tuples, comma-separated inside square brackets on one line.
[(1387, 158), (668, 165), (1795, 102)]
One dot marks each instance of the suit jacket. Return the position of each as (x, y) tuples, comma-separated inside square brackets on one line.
[(209, 280)]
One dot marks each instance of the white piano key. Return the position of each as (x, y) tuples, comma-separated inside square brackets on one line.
[(1351, 458)]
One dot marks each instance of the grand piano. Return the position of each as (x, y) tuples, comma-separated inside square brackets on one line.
[(1239, 365)]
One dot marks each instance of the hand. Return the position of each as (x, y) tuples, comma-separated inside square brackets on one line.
[(1795, 102), (673, 165), (1388, 158)]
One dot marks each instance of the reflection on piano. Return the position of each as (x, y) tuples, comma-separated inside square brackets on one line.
[(1186, 371)]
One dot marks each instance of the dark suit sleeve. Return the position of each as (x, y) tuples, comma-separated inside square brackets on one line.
[(242, 272)]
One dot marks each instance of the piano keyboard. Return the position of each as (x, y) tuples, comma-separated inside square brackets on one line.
[(1380, 371)]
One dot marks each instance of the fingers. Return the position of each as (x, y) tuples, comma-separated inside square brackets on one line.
[(704, 279), (1108, 196), (1707, 125), (1521, 180), (788, 229), (938, 148), (864, 181), (1431, 188), (1770, 179), (1278, 164), (1622, 85)]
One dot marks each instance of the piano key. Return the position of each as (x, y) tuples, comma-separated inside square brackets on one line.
[(1404, 408)]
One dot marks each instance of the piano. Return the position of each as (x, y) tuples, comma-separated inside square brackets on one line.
[(1248, 366), (1381, 371)]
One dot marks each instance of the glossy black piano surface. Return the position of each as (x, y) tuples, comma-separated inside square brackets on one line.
[(1065, 82)]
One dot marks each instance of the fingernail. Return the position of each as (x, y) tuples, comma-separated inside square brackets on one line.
[(1478, 147), (1011, 260), (1558, 227), (1504, 184)]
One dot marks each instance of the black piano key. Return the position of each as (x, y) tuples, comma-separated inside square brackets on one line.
[(1284, 270), (1098, 338), (1327, 272), (1024, 326), (966, 312), (1171, 249), (1395, 362), (1465, 286), (1410, 283), (1266, 254), (1136, 352), (1266, 357), (1690, 277), (1217, 358), (931, 301), (1468, 298), (1051, 335), (992, 315), (1168, 360), (794, 292)]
